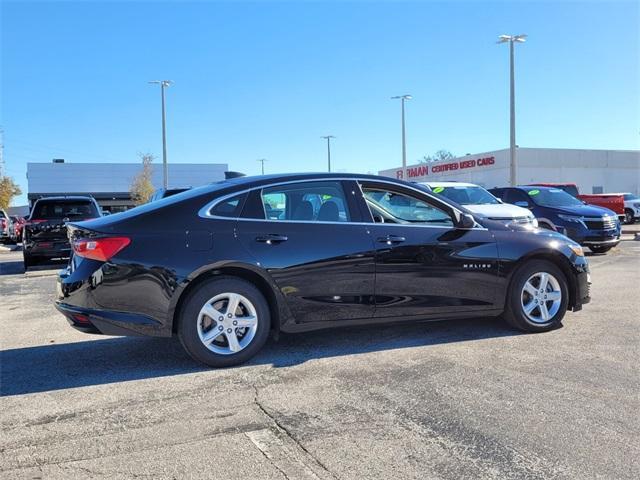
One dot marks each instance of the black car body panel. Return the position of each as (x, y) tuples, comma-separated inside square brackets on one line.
[(315, 274)]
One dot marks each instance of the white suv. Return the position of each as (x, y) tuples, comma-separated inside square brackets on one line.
[(631, 207), (480, 201)]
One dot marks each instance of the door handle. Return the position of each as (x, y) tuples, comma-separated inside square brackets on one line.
[(391, 239), (272, 238)]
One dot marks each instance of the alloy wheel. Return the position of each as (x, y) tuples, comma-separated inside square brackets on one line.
[(541, 297), (227, 323)]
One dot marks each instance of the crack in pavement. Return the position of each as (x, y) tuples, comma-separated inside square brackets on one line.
[(283, 430)]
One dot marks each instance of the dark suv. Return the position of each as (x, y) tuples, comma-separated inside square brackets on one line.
[(44, 234), (595, 227)]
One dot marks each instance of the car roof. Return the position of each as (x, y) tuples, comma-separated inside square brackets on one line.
[(257, 180), (450, 184), (535, 187), (70, 197)]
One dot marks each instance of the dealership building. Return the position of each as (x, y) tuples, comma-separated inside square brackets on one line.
[(593, 171), (109, 183)]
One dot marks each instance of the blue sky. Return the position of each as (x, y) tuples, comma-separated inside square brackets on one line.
[(267, 79)]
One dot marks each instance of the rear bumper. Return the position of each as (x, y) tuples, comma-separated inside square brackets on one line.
[(48, 249), (89, 320)]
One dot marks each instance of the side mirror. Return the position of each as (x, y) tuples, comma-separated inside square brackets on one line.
[(522, 204), (466, 221)]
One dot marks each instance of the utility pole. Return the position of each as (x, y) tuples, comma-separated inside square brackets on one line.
[(165, 168), (1, 152), (328, 138), (513, 170), (262, 160), (403, 98)]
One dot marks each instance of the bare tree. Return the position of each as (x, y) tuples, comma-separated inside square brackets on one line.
[(8, 190), (436, 157), (142, 187)]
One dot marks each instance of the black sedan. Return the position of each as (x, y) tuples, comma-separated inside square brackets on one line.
[(222, 266)]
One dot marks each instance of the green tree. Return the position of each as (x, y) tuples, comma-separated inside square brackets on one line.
[(8, 190), (141, 188)]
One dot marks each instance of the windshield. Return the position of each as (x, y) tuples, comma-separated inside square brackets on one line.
[(630, 196), (466, 195), (552, 197)]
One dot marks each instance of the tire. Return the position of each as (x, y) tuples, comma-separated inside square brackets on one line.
[(605, 249), (196, 327), (30, 260), (628, 216), (519, 297)]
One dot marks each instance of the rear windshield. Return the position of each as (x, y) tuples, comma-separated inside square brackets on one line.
[(77, 209), (2, 214)]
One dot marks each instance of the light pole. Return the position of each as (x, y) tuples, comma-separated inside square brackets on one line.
[(262, 160), (165, 169), (513, 178), (328, 138), (404, 142)]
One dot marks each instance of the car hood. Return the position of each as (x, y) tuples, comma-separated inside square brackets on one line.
[(583, 210), (500, 211)]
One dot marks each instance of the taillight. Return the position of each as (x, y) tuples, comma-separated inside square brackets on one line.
[(101, 249), (3, 223)]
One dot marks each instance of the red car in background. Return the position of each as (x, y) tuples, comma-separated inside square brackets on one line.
[(18, 224), (612, 201)]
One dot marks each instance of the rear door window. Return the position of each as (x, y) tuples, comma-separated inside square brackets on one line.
[(58, 209), (306, 202)]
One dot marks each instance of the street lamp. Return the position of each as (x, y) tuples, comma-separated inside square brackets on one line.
[(165, 172), (262, 160), (404, 143), (513, 179), (328, 138)]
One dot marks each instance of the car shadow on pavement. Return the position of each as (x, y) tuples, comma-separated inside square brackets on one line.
[(17, 267), (119, 359)]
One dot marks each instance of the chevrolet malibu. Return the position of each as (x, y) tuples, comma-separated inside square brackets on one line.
[(223, 265)]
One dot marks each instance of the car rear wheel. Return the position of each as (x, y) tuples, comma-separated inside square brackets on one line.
[(537, 298), (224, 322), (29, 260), (628, 216)]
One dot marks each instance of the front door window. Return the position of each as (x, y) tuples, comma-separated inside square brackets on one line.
[(388, 206)]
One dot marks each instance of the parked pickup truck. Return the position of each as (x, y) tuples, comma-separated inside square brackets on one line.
[(612, 201), (44, 235)]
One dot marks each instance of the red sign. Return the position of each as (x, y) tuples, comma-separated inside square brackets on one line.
[(423, 170)]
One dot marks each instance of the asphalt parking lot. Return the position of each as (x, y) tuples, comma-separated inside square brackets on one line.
[(444, 400)]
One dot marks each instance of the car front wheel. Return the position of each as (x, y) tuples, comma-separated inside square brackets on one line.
[(538, 297), (224, 322)]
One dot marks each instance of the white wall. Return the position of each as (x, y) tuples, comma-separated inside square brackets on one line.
[(613, 170), (114, 177)]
